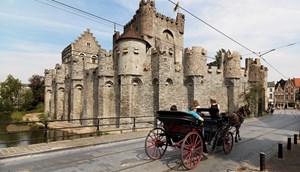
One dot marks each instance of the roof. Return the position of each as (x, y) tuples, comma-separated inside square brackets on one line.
[(271, 84), (297, 82), (280, 83), (131, 34)]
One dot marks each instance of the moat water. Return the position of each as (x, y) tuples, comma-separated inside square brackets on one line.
[(18, 135)]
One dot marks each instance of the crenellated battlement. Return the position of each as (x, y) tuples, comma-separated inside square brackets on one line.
[(147, 70), (147, 3), (195, 61), (146, 20)]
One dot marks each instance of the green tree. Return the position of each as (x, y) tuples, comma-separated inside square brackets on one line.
[(27, 100), (218, 57), (10, 94), (36, 83), (251, 97)]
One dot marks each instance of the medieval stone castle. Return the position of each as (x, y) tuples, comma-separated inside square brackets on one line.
[(148, 69)]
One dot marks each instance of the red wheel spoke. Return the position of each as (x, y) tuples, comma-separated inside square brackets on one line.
[(156, 143), (191, 150)]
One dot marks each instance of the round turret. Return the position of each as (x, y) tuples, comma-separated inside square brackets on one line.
[(131, 54), (195, 61), (232, 65)]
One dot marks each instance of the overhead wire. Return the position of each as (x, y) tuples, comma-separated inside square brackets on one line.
[(117, 24), (107, 20), (273, 49), (227, 36), (90, 14), (65, 8)]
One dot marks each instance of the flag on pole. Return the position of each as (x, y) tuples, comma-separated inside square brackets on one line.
[(176, 6)]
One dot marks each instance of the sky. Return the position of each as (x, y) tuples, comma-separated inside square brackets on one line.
[(34, 32)]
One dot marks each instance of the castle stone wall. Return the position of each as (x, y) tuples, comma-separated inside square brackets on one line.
[(148, 70)]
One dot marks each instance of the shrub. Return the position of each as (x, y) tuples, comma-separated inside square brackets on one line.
[(40, 107), (17, 116)]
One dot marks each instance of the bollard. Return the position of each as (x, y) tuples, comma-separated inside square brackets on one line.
[(295, 139), (289, 143), (280, 155), (262, 161)]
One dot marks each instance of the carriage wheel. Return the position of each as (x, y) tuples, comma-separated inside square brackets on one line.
[(191, 150), (228, 142), (156, 143)]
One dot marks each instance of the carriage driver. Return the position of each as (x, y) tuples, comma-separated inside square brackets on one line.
[(215, 108)]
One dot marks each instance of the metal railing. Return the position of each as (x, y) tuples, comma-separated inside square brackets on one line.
[(44, 131)]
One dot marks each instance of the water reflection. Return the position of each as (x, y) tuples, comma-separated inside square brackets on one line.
[(14, 135), (10, 135)]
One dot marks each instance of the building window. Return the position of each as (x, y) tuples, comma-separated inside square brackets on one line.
[(94, 59), (88, 44), (271, 96), (136, 51)]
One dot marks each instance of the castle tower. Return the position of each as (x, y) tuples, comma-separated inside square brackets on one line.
[(195, 59), (195, 68), (232, 74), (180, 22), (232, 65), (131, 54), (90, 95), (254, 70), (49, 74), (106, 87), (59, 90), (258, 76), (146, 14)]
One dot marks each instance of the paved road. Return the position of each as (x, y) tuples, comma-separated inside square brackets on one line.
[(258, 135)]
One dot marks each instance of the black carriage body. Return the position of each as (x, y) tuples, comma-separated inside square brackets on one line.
[(185, 131), (177, 124)]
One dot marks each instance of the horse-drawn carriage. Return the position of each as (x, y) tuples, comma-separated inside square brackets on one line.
[(181, 130)]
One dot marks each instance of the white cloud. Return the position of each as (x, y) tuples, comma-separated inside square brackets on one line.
[(22, 65), (258, 25)]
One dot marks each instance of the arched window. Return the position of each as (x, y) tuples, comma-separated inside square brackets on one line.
[(169, 82), (61, 89), (79, 87), (136, 81), (109, 84), (94, 59), (155, 81), (167, 35)]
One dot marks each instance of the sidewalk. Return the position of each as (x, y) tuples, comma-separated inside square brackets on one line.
[(12, 152), (290, 161)]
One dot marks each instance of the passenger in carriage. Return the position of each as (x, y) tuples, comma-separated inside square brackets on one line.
[(173, 108), (193, 111)]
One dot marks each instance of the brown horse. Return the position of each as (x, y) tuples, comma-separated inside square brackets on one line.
[(236, 119)]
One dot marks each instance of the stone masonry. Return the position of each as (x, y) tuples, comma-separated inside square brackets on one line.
[(148, 69)]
